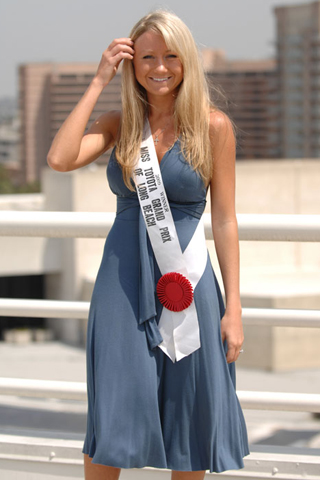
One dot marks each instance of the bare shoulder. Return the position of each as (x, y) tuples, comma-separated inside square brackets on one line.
[(220, 123), (221, 131), (107, 124)]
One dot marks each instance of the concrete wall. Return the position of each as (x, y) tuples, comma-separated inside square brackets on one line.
[(280, 274), (27, 256), (285, 186), (84, 190)]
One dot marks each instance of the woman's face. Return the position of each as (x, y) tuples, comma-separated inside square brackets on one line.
[(157, 68)]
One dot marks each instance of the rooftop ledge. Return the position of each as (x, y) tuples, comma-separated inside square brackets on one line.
[(29, 458)]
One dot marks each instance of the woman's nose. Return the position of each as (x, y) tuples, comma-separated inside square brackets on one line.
[(160, 64)]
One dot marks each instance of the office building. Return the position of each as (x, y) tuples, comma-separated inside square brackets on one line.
[(298, 56), (48, 93), (274, 103), (248, 92)]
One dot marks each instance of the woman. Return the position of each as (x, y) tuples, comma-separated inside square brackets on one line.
[(146, 408)]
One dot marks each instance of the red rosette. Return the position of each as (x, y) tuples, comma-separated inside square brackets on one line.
[(174, 291)]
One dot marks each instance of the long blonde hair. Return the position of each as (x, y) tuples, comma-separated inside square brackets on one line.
[(192, 105)]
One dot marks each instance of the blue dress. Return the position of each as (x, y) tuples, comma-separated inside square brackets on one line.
[(143, 409)]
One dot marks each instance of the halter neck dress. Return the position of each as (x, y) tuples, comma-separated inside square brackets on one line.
[(143, 409)]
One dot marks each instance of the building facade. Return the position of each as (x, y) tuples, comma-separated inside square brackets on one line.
[(248, 92), (275, 103), (47, 94), (298, 58)]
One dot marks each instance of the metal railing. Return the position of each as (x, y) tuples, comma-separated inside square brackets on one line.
[(297, 228)]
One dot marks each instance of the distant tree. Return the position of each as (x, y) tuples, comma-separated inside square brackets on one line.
[(33, 187), (8, 187), (5, 182)]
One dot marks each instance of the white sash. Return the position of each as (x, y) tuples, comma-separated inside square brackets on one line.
[(179, 330)]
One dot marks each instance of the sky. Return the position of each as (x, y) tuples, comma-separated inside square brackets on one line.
[(80, 30)]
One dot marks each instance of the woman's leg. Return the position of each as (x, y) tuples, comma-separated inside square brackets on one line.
[(94, 471), (199, 475)]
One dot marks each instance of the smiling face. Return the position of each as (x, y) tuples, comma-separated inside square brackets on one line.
[(157, 68)]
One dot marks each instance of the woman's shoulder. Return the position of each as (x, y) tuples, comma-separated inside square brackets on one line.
[(221, 132), (221, 127), (109, 122), (219, 121)]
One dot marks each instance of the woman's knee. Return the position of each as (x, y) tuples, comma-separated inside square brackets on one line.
[(94, 471), (198, 475)]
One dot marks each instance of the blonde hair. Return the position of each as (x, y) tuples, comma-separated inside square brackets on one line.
[(192, 105)]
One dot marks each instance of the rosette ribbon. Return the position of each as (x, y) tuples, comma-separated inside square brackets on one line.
[(181, 271)]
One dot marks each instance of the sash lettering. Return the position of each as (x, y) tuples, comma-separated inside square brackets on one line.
[(179, 329)]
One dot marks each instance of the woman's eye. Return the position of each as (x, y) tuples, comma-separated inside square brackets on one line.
[(172, 55), (146, 57)]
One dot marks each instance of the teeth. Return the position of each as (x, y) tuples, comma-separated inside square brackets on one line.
[(160, 79)]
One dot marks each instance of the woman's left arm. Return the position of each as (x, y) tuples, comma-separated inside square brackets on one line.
[(225, 228)]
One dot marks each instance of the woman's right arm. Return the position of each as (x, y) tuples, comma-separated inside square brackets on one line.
[(71, 148)]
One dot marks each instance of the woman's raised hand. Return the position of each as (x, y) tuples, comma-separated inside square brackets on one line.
[(119, 49), (72, 149)]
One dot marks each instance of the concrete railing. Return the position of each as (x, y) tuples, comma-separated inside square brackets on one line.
[(275, 317), (293, 402), (294, 228), (41, 458)]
